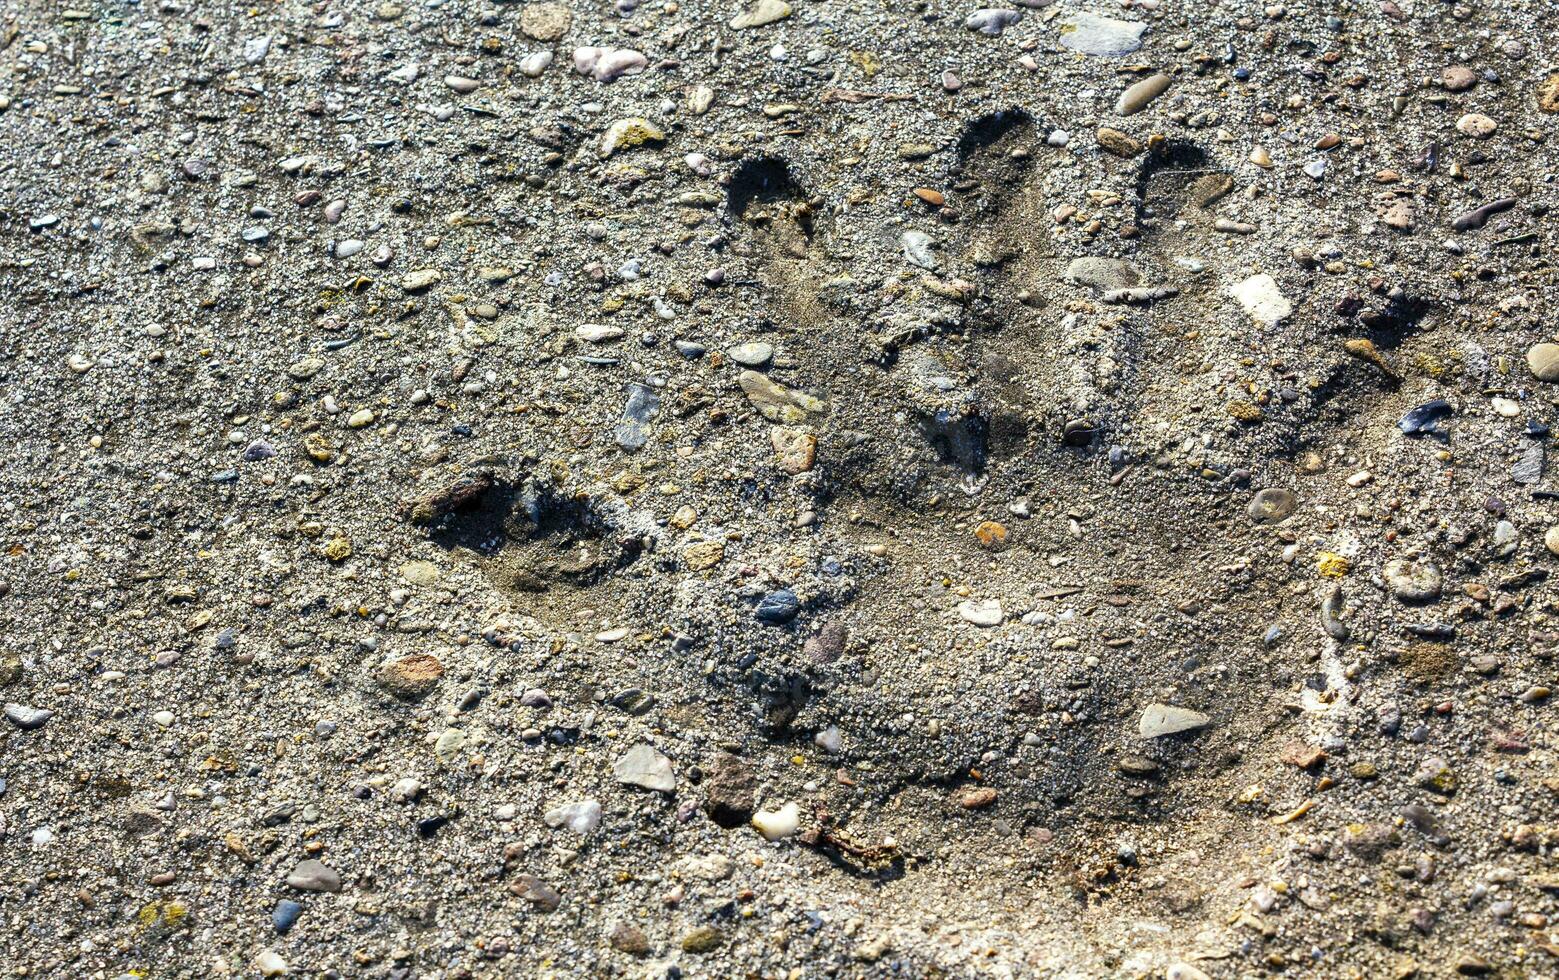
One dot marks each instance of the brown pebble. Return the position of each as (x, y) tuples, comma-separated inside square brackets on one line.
[(628, 938), (1118, 143), (542, 896), (931, 197), (1210, 188), (978, 799), (992, 536), (1458, 78), (795, 450), (162, 879), (704, 939), (1548, 94), (411, 677), (1302, 755)]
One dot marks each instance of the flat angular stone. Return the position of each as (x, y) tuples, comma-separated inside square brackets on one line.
[(1103, 274), (643, 766), (581, 817), (419, 279), (1262, 300), (795, 450), (764, 13), (1101, 36), (633, 431), (545, 21), (1528, 468), (314, 876), (541, 895), (606, 65), (1164, 719), (981, 612), (625, 134), (776, 402), (27, 718)]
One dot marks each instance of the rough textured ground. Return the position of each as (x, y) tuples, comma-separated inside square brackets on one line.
[(476, 505)]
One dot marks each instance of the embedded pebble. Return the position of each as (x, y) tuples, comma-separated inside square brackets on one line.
[(314, 876), (778, 824), (752, 355), (981, 612), (1101, 36), (992, 21), (1412, 581), (1158, 720), (644, 767), (1262, 300), (582, 817), (1138, 96)]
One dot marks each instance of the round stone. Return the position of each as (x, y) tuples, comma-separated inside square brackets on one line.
[(1476, 125), (1272, 505), (1458, 78), (545, 21), (1413, 581), (751, 355), (1551, 540), (778, 607), (1543, 361)]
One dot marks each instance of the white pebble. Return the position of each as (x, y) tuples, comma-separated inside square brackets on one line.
[(778, 824)]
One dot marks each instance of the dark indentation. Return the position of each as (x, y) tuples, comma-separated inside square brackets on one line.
[(763, 180), (781, 696), (960, 438), (875, 470), (1175, 165), (1325, 397), (1391, 324), (468, 514), (1009, 431), (546, 535), (540, 510), (561, 537), (990, 129)]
